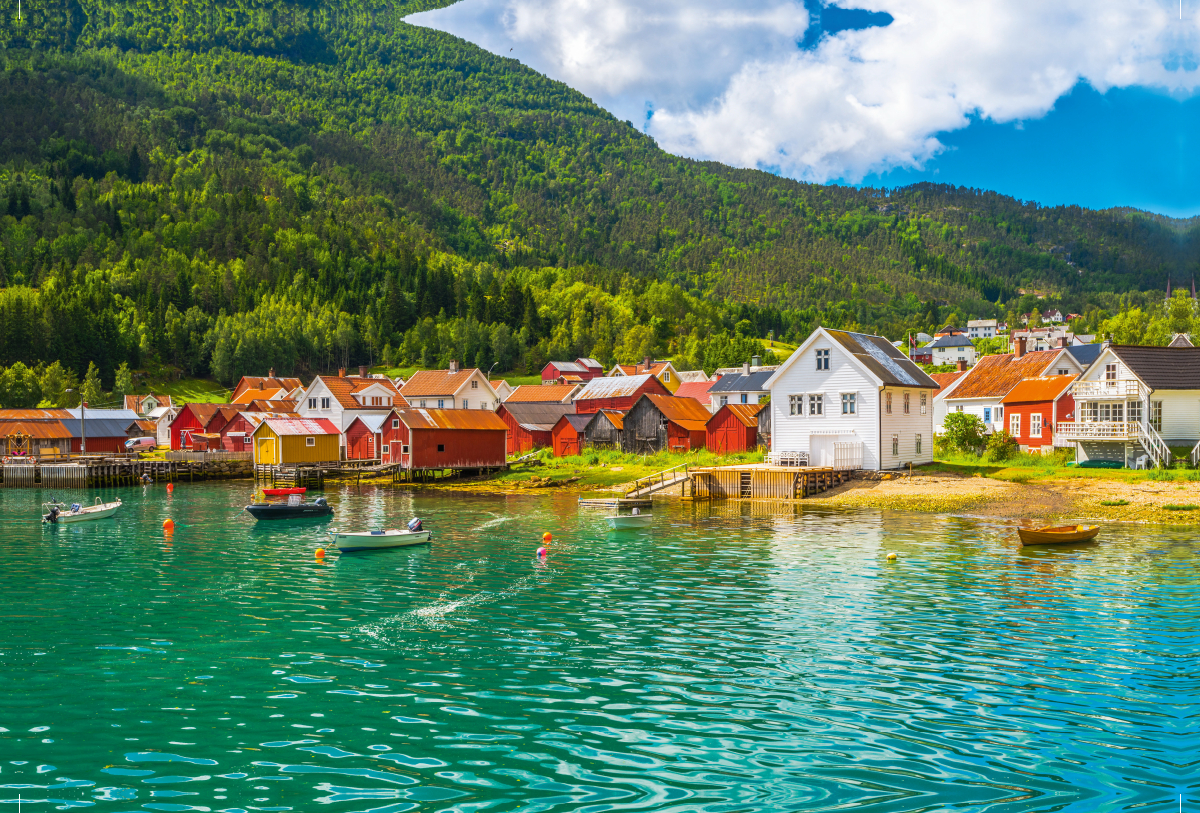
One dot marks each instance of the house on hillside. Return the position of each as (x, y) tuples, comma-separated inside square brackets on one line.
[(982, 328), (455, 388), (1034, 407), (981, 391), (1135, 402), (144, 405), (950, 330), (852, 401), (664, 371), (552, 394), (436, 439), (617, 392), (742, 387), (530, 425), (951, 350), (583, 369), (733, 428), (658, 423), (296, 441), (250, 387)]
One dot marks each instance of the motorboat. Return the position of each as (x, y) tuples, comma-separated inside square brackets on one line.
[(283, 492), (350, 541), (1056, 535), (294, 508), (56, 513), (620, 521)]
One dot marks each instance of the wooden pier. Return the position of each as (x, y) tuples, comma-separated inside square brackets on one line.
[(96, 471), (314, 475), (762, 482)]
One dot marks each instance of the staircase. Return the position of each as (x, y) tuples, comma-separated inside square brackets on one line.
[(1154, 445), (659, 481)]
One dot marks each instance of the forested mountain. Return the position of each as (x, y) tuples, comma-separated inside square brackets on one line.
[(223, 186)]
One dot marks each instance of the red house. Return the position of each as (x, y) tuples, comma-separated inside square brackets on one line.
[(567, 435), (585, 369), (199, 418), (443, 439), (617, 392), (530, 426), (364, 437), (1034, 406), (734, 428)]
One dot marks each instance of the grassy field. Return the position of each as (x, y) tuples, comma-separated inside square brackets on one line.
[(1024, 468), (188, 390)]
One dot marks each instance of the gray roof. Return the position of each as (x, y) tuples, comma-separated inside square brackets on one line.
[(116, 414), (737, 382), (1161, 368), (885, 362), (612, 387), (569, 367), (1085, 354), (580, 421), (373, 422), (97, 427), (537, 416), (950, 341)]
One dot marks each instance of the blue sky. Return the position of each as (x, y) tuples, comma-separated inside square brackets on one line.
[(1090, 102)]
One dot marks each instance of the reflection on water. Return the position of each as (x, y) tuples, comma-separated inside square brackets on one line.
[(738, 656)]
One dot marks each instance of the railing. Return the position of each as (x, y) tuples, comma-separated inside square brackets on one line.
[(848, 455), (1154, 444), (1194, 457), (1096, 430), (214, 456), (1108, 389), (659, 480), (787, 458)]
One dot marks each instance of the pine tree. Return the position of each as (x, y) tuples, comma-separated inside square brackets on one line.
[(91, 391)]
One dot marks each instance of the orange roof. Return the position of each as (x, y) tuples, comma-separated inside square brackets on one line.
[(450, 419), (617, 419), (572, 378), (434, 383), (946, 379), (746, 413), (46, 430), (686, 412), (343, 389), (263, 405), (1046, 388), (628, 369), (694, 389), (542, 394), (994, 376), (258, 383)]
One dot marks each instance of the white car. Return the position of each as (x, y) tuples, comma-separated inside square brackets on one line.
[(140, 444)]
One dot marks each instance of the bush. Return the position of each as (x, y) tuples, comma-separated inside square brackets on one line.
[(1114, 502), (1001, 446), (964, 431)]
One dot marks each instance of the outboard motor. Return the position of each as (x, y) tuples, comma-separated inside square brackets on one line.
[(319, 501), (53, 515), (414, 524)]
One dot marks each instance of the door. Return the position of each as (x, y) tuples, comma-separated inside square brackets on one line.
[(266, 452)]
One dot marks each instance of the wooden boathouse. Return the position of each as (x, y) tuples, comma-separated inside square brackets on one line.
[(658, 422), (762, 482)]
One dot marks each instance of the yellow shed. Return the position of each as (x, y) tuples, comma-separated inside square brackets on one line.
[(290, 441)]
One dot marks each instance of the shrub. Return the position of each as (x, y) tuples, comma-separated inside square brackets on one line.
[(1114, 502), (1001, 446), (1188, 507), (964, 431)]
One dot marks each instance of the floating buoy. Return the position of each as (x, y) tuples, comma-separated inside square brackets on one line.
[(541, 553), (891, 557), (170, 487), (547, 538), (168, 525), (320, 552)]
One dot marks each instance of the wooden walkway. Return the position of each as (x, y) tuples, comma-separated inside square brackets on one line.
[(95, 471), (762, 482)]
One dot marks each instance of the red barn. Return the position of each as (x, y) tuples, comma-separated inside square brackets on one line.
[(236, 435), (103, 434), (617, 392), (530, 426), (663, 422), (443, 439), (364, 437), (199, 418), (1034, 406), (734, 428), (568, 434)]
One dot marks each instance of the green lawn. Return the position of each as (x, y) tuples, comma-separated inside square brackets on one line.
[(189, 390), (1023, 468), (605, 469)]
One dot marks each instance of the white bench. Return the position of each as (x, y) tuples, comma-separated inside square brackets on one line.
[(787, 458)]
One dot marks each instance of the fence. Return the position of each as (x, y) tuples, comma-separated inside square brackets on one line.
[(20, 475), (848, 455), (208, 457), (64, 476)]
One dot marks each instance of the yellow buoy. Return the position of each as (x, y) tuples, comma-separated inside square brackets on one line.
[(891, 557), (546, 537)]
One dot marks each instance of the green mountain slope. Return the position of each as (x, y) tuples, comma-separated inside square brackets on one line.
[(312, 185)]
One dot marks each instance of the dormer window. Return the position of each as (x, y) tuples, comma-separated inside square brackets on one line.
[(823, 358)]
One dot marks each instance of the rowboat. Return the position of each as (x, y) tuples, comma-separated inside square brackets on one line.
[(1058, 534), (619, 521), (283, 492), (350, 541), (57, 512), (292, 509)]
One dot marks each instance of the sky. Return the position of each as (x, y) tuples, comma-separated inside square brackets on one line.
[(1088, 102)]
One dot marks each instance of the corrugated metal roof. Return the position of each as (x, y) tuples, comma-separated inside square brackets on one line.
[(617, 419), (994, 376), (451, 419), (694, 389), (537, 417), (568, 367), (541, 394), (680, 410), (36, 414), (1162, 368), (1044, 388), (737, 382), (301, 426), (44, 430), (591, 364), (612, 387), (690, 376), (884, 361), (115, 414), (96, 427), (746, 413)]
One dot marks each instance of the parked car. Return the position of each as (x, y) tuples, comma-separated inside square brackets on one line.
[(140, 444)]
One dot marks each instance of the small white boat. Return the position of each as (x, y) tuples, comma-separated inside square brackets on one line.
[(618, 521), (57, 513), (350, 541)]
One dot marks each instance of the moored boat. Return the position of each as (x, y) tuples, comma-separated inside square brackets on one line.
[(350, 541), (1056, 535), (292, 509), (619, 521), (57, 513), (283, 492)]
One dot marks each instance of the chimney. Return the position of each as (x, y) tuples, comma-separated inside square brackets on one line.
[(271, 373), (341, 372), (260, 384), (755, 361), (745, 368), (1062, 341), (362, 371), (647, 363), (962, 365), (1019, 348), (453, 367)]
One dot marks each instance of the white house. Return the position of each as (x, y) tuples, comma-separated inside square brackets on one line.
[(342, 398), (951, 349), (1134, 402), (982, 328), (981, 391), (743, 387), (451, 389), (852, 400)]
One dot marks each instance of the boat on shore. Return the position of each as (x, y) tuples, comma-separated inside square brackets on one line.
[(351, 541), (1057, 535), (292, 509), (57, 513)]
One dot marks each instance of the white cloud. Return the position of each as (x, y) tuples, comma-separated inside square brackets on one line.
[(726, 80)]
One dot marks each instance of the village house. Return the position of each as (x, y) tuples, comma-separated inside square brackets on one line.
[(605, 430), (1034, 407), (196, 418), (981, 392), (34, 432), (742, 387), (567, 436), (435, 439), (851, 401), (658, 423), (454, 388), (1133, 403), (142, 428), (162, 417), (698, 390), (341, 398), (664, 371), (267, 387), (582, 369), (617, 392), (534, 394), (951, 350), (982, 328), (733, 428), (950, 330), (921, 355), (363, 437), (530, 425), (144, 405), (296, 441), (237, 435), (502, 388)]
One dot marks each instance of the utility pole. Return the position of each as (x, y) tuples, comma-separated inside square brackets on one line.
[(82, 431)]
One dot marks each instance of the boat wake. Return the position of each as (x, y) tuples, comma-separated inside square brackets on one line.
[(492, 523)]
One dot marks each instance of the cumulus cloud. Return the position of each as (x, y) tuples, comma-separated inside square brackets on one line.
[(726, 80)]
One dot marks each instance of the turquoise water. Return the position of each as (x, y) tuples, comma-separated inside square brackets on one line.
[(729, 660)]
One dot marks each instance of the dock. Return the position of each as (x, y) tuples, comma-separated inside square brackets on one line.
[(97, 471), (615, 502), (756, 481)]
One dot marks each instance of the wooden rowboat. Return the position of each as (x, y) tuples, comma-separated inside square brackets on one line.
[(1058, 534), (350, 541)]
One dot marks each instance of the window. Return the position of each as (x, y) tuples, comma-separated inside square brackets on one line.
[(441, 447), (1110, 372), (745, 398), (958, 408), (887, 403), (895, 445), (917, 439), (1064, 372), (823, 359), (482, 404), (441, 403), (999, 413), (246, 440), (666, 375), (310, 441), (465, 406), (474, 384), (324, 403), (422, 403), (724, 400), (1035, 425), (906, 399), (987, 414), (312, 403), (816, 404), (849, 403), (387, 449), (924, 401), (795, 404), (1156, 415), (404, 448), (1014, 424), (1134, 410), (395, 423)]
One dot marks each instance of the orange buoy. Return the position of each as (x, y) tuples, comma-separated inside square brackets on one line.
[(168, 524), (170, 487), (320, 552), (546, 537)]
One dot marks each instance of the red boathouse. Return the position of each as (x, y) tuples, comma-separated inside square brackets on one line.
[(419, 439), (734, 428)]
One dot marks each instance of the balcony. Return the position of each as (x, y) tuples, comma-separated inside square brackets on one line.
[(1072, 431), (1118, 390)]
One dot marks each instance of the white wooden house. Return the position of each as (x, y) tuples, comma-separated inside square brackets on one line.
[(341, 398), (852, 400), (454, 388), (1133, 403), (981, 391)]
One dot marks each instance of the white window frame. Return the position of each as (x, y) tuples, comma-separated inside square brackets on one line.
[(849, 403), (466, 405), (474, 384), (312, 403), (895, 444), (918, 443), (666, 376), (724, 400), (822, 358), (887, 402), (796, 405), (1035, 424), (924, 402), (816, 405), (441, 403), (1014, 424), (745, 398), (310, 441), (395, 423), (907, 403), (324, 403), (1110, 372), (387, 448), (403, 448)]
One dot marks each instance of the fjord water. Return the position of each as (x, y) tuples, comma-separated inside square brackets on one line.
[(737, 657)]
